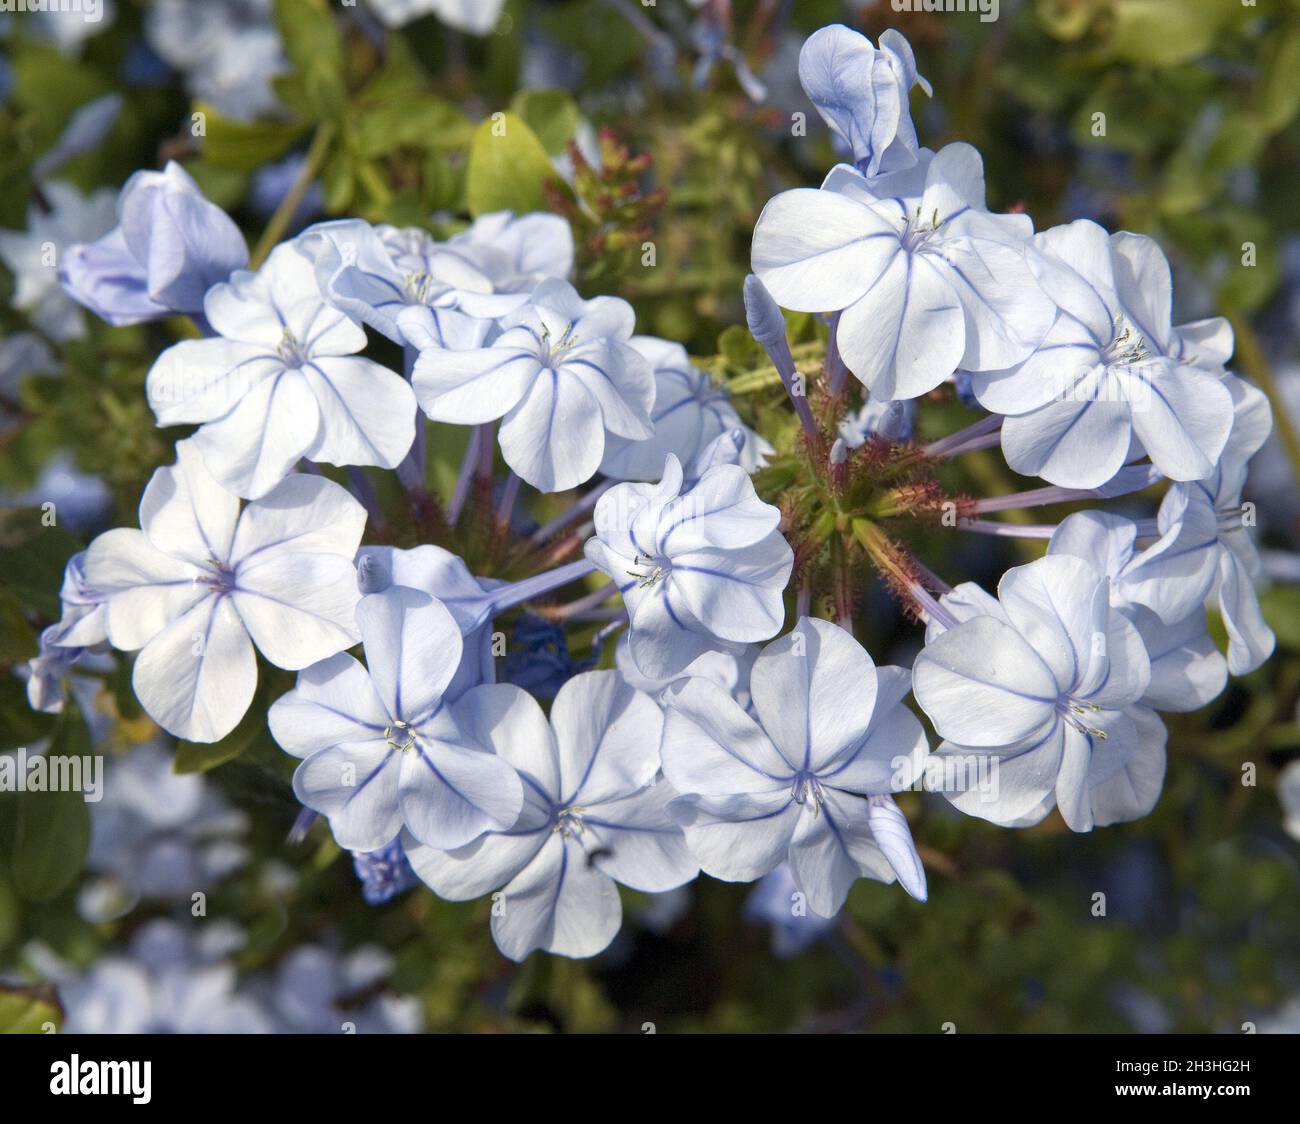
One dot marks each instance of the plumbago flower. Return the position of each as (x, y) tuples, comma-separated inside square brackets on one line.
[(593, 815), (280, 382), (165, 982), (861, 92), (697, 569), (561, 375), (170, 246), (478, 17), (1111, 379), (228, 50), (202, 583), (398, 281), (809, 779), (703, 751), (82, 627), (65, 219), (1187, 670), (384, 747), (1048, 678), (925, 280), (1211, 544), (690, 412)]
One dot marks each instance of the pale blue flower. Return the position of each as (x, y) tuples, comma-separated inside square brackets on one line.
[(1112, 378), (778, 902), (228, 50), (809, 780), (694, 567), (861, 91), (1187, 670), (169, 248), (384, 873), (203, 583), (375, 273), (1046, 679), (478, 17), (727, 665), (157, 835), (317, 991), (82, 629), (690, 412), (168, 982), (593, 815), (1210, 528), (561, 375), (518, 252), (879, 417), (927, 280), (85, 130), (34, 255), (383, 746), (280, 381), (445, 578)]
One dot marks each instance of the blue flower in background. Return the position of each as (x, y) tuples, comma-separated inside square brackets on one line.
[(539, 659), (777, 901), (384, 873)]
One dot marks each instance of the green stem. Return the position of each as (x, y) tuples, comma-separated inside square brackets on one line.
[(288, 207)]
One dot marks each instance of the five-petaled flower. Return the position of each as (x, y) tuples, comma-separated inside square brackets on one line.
[(202, 583)]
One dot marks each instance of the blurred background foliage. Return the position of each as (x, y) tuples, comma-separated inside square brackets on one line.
[(660, 132)]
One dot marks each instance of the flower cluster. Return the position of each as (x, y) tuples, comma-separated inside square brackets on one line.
[(720, 740)]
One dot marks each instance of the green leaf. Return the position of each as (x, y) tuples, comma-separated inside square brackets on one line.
[(551, 114), (312, 42), (507, 168), (33, 557), (1280, 605), (1166, 32), (17, 641), (1279, 93), (19, 724), (243, 147), (29, 1010), (422, 122), (739, 348), (52, 830), (1238, 142)]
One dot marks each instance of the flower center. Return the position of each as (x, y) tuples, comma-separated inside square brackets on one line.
[(649, 570), (220, 578), (1077, 714), (553, 349), (568, 821), (422, 288), (917, 229), (807, 789), (399, 736), (290, 350), (1128, 346)]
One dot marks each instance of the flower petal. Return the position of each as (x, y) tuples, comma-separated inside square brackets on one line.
[(298, 608), (196, 678), (908, 333), (333, 702), (558, 903)]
